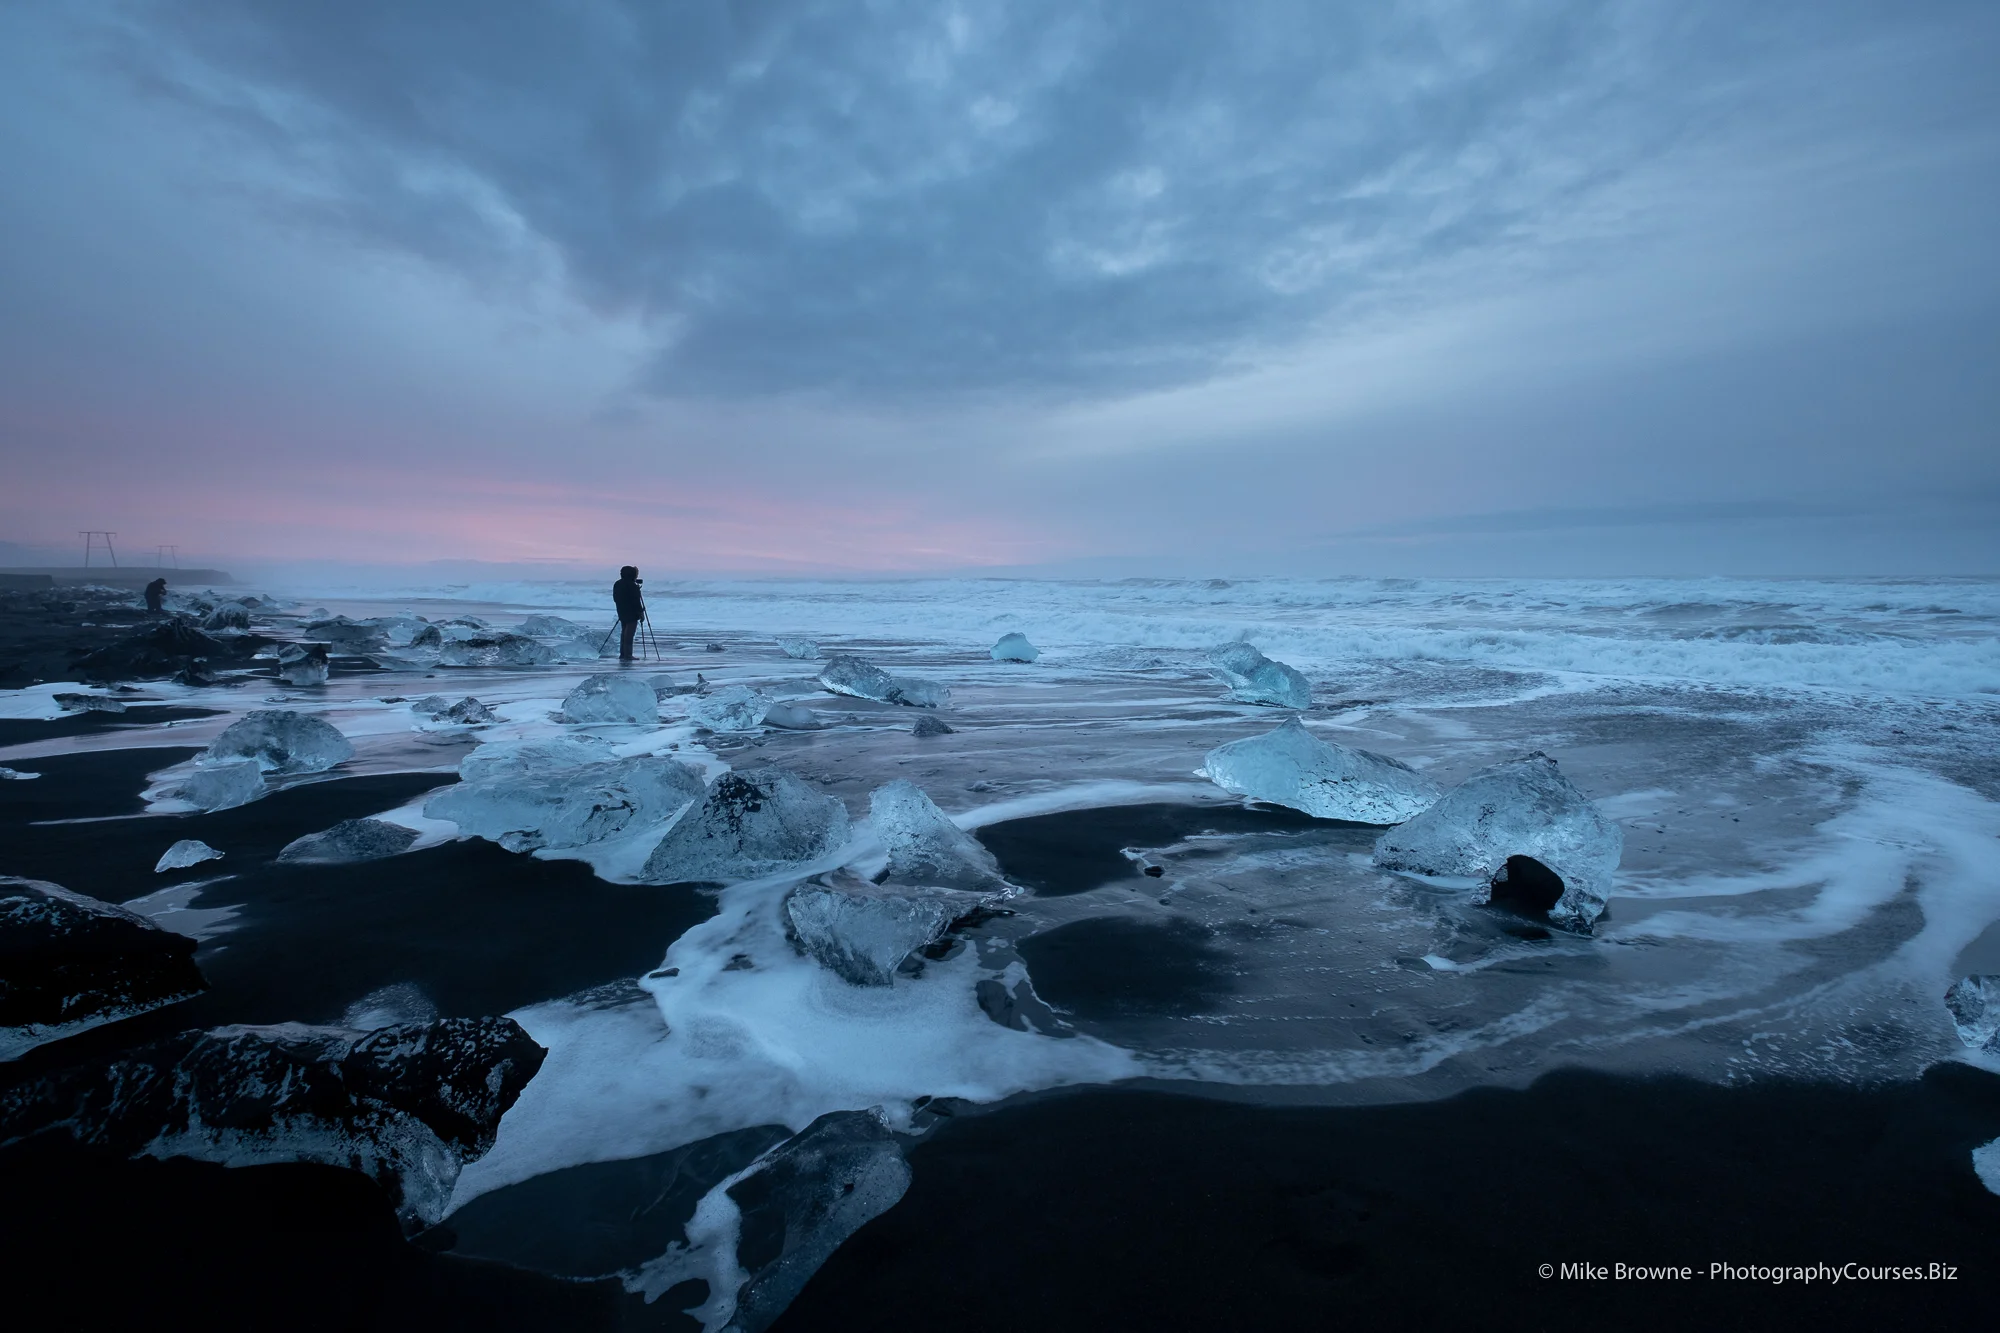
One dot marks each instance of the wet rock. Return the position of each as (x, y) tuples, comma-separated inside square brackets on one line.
[(1523, 808), (70, 962), (803, 1200), (749, 824), (88, 703), (1294, 768), (228, 616), (612, 698), (348, 841), (407, 1105), (930, 726), (187, 852), (282, 741), (156, 652), (1974, 1003)]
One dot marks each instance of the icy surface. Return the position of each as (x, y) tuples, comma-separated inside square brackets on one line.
[(187, 852), (222, 785), (349, 840), (1525, 807), (1253, 678), (283, 742), (1986, 1165), (731, 708), (611, 698), (1015, 648), (862, 932), (749, 824), (925, 847), (1292, 767), (1974, 1003), (804, 650), (861, 679), (524, 805)]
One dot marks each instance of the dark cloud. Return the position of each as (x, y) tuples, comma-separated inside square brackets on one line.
[(1045, 194)]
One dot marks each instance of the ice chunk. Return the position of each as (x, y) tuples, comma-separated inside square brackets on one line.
[(73, 962), (88, 703), (1293, 767), (188, 852), (611, 698), (429, 636), (859, 679), (282, 741), (534, 757), (1015, 648), (485, 649), (862, 932), (1253, 678), (353, 636), (805, 650), (523, 807), (466, 712), (16, 775), (1523, 808), (580, 650), (222, 785), (402, 1002), (809, 1195), (228, 616), (407, 1105), (792, 718), (925, 847), (1986, 1165), (303, 664), (349, 840), (554, 627), (732, 708), (750, 824), (1974, 1003), (930, 726)]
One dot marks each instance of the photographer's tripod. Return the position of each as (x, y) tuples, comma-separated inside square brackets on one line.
[(642, 639)]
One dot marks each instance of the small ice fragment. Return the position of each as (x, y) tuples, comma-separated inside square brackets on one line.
[(1439, 963), (859, 679), (732, 708), (611, 698), (303, 664), (466, 712), (862, 932), (929, 726), (1523, 808), (925, 847), (187, 852), (1292, 767), (716, 648), (805, 650), (749, 824), (1974, 1003), (282, 741), (350, 840), (1253, 678), (222, 785), (1015, 647), (16, 775), (792, 718)]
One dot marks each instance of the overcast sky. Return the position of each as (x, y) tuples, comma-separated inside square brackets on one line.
[(1128, 286)]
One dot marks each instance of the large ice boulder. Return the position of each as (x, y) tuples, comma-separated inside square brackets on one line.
[(505, 758), (70, 962), (808, 1195), (1015, 648), (1505, 821), (490, 649), (1292, 767), (861, 679), (862, 932), (407, 1105), (221, 785), (188, 852), (731, 708), (752, 823), (1253, 678), (611, 697), (925, 847), (282, 741), (524, 806), (303, 664), (1974, 1003), (349, 840)]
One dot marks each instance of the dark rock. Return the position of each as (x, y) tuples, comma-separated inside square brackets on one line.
[(68, 962), (810, 1194), (717, 648), (350, 840), (407, 1105), (930, 726), (228, 616), (154, 652)]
